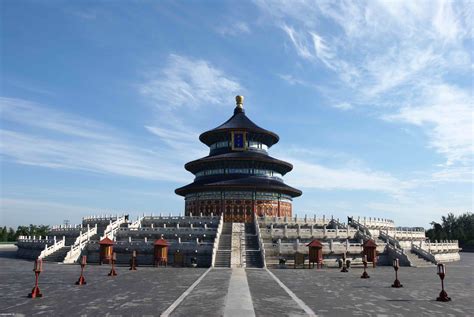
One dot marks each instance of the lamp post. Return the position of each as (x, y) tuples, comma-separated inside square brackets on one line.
[(133, 261), (344, 265), (82, 280), (112, 270), (396, 266), (443, 296), (38, 268), (365, 275)]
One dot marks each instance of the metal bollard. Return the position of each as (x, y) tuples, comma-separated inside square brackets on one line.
[(82, 280), (396, 266), (38, 268), (443, 296), (365, 274), (133, 261), (112, 270), (344, 264)]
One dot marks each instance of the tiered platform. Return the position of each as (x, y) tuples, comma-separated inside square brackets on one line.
[(190, 236), (268, 241), (283, 237)]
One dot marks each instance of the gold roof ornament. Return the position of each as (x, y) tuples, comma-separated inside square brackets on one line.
[(239, 100)]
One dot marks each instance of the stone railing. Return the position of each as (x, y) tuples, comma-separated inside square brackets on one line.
[(101, 218), (423, 253), (415, 234), (66, 228), (389, 239), (328, 247), (438, 247), (149, 221), (363, 232), (260, 241), (374, 223), (137, 223), (216, 240), (76, 249), (265, 220), (34, 239), (172, 230), (112, 228), (48, 250), (305, 233), (397, 253)]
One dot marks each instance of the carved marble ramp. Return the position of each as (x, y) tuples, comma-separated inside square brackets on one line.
[(271, 299), (239, 300), (208, 297), (238, 292)]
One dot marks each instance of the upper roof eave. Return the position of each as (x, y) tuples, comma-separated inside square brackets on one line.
[(239, 122)]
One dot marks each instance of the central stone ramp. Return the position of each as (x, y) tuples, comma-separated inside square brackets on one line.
[(239, 301), (269, 299), (209, 296)]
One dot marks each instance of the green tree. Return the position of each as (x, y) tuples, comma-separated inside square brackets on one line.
[(4, 234), (459, 228)]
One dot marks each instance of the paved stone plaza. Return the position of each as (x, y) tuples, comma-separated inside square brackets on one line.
[(216, 292)]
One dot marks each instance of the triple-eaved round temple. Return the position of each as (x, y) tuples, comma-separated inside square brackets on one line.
[(238, 177)]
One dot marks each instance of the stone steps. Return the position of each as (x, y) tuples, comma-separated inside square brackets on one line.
[(418, 261), (223, 252), (253, 256), (58, 256)]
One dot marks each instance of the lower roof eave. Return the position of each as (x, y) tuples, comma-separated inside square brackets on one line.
[(191, 188)]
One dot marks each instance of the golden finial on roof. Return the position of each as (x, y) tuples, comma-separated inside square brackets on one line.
[(239, 100)]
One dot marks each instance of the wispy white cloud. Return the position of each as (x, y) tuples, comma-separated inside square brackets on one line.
[(30, 114), (39, 135), (313, 175), (78, 143), (19, 212), (400, 56), (343, 106), (187, 82), (233, 29), (447, 114)]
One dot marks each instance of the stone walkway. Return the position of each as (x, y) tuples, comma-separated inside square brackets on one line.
[(239, 300), (238, 292)]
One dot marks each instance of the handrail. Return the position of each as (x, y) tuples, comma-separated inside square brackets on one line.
[(136, 223), (216, 240), (364, 232), (52, 248), (112, 228), (424, 254), (389, 239), (81, 241), (260, 242)]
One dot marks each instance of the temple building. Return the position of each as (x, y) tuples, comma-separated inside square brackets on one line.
[(239, 178), (238, 213)]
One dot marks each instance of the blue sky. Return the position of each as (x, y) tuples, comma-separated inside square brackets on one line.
[(102, 103)]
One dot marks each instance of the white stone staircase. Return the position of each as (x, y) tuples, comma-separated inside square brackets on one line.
[(417, 260), (49, 250), (74, 253), (113, 226)]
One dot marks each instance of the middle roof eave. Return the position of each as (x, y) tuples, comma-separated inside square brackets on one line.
[(197, 165)]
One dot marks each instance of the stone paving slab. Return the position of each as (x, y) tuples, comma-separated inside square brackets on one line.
[(208, 298), (150, 291), (145, 292), (331, 293), (269, 299)]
